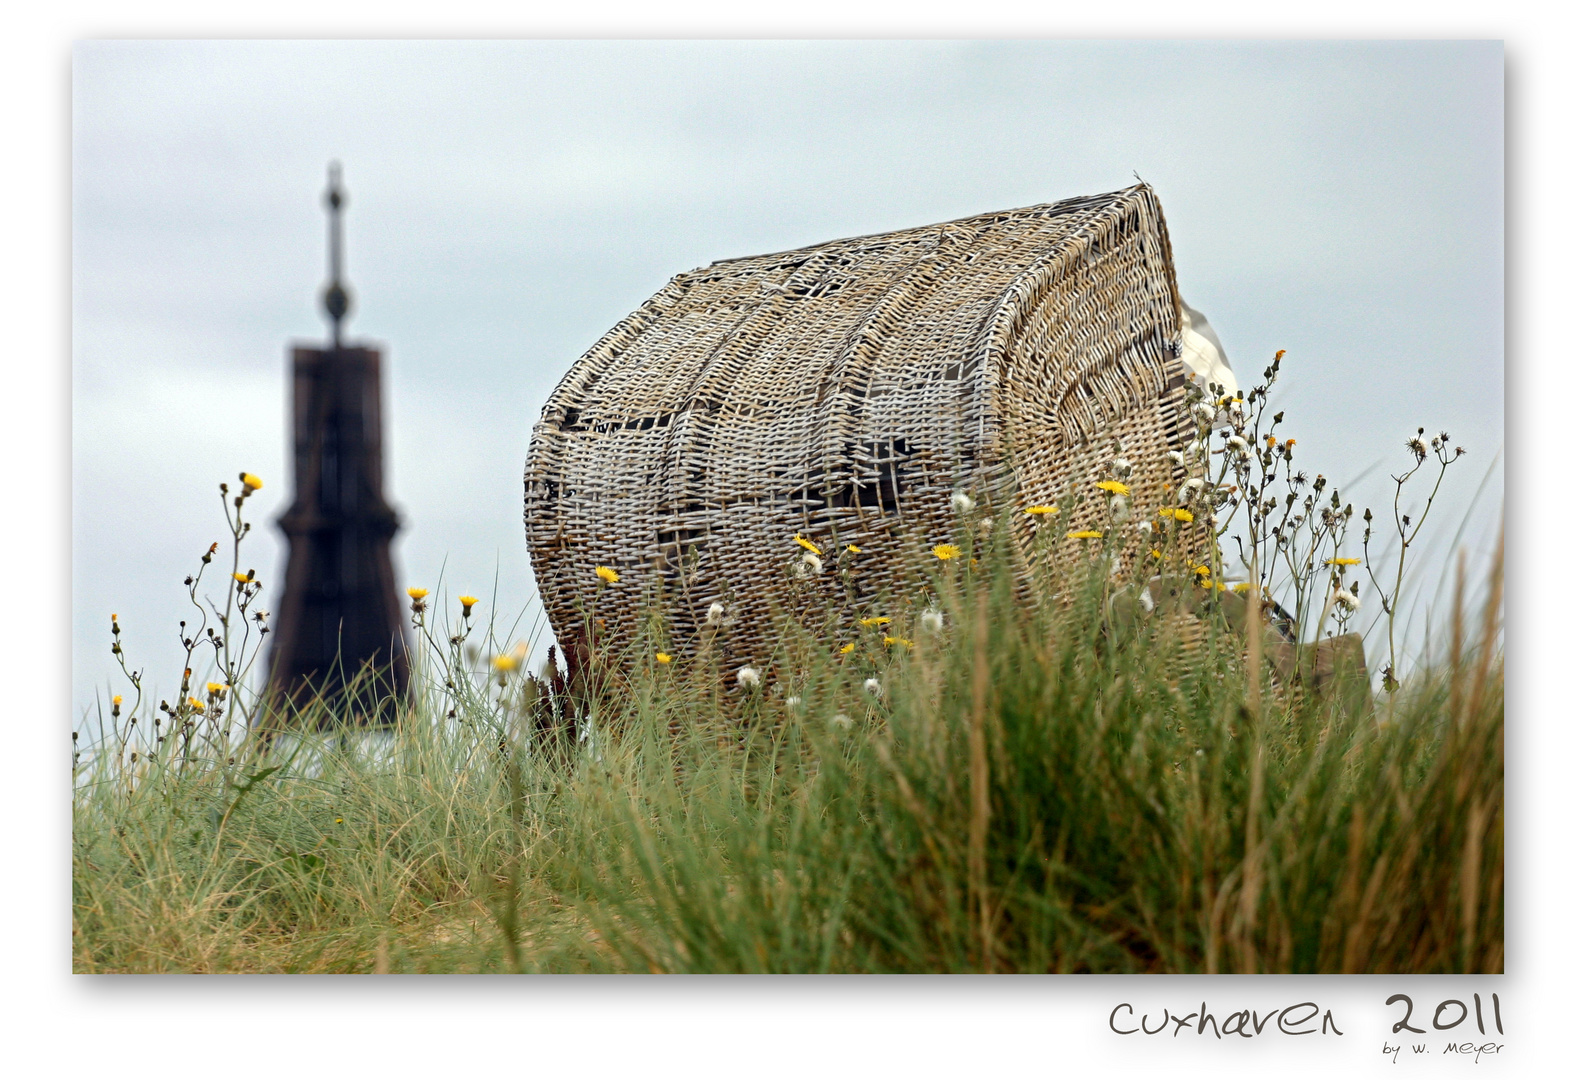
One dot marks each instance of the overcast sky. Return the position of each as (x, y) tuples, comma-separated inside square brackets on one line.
[(510, 202)]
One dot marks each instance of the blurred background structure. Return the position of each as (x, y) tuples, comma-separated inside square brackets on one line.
[(339, 627), (1339, 199)]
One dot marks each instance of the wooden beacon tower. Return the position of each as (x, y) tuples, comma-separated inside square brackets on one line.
[(340, 621)]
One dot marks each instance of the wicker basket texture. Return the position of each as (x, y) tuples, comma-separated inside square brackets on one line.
[(844, 393)]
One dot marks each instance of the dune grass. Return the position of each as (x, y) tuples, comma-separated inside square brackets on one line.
[(1034, 785)]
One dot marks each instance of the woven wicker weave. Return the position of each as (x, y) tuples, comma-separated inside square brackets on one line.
[(844, 392)]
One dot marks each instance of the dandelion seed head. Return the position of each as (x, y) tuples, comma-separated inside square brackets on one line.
[(962, 503), (748, 677), (873, 686)]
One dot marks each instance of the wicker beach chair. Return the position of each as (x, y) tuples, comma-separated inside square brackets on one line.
[(844, 393)]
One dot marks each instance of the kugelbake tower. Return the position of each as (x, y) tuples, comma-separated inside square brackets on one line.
[(340, 623)]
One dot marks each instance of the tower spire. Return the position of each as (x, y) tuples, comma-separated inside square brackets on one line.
[(336, 297)]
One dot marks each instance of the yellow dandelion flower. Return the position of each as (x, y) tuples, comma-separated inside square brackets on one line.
[(1085, 534), (1116, 487), (503, 662), (252, 483), (1202, 570), (947, 551), (875, 620), (1241, 588), (1177, 514), (608, 574), (806, 544), (891, 640), (415, 593), (847, 649), (1343, 562), (245, 578), (197, 706), (1290, 443), (116, 700), (1041, 511), (664, 658), (216, 688), (339, 821), (853, 549), (1155, 553), (466, 604), (1270, 441)]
